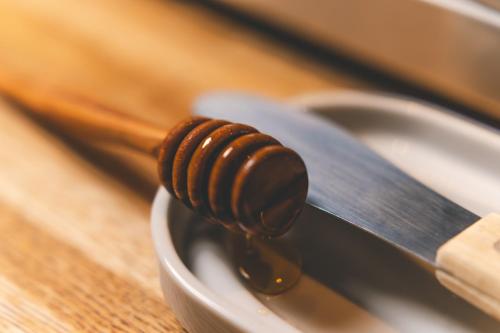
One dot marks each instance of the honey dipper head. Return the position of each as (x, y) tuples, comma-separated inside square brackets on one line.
[(234, 175)]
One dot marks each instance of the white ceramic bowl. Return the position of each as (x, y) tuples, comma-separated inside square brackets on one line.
[(353, 283)]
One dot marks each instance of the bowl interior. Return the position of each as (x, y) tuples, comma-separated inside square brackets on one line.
[(351, 281)]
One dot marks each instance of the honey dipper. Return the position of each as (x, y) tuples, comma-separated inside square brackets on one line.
[(230, 173)]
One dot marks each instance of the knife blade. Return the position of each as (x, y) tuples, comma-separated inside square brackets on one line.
[(349, 180)]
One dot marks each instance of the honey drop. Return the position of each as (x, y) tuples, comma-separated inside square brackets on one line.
[(267, 265)]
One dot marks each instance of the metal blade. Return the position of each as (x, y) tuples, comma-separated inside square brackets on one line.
[(348, 179)]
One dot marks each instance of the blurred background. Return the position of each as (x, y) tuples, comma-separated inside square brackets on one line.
[(75, 250), (153, 58)]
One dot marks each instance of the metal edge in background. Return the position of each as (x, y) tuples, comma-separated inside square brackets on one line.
[(451, 47)]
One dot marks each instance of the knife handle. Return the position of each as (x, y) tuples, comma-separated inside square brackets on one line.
[(469, 264)]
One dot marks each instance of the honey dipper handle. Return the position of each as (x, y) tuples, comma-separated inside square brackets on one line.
[(82, 118)]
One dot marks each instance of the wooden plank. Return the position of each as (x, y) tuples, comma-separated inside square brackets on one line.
[(75, 242), (149, 58), (73, 289)]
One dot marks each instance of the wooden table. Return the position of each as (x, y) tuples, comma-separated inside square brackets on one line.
[(76, 252)]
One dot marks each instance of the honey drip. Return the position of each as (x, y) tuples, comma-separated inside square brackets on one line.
[(267, 265)]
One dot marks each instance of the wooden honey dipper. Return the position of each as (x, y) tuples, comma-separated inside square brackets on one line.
[(227, 172)]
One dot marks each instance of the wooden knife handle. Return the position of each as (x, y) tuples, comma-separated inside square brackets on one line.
[(82, 118), (469, 264)]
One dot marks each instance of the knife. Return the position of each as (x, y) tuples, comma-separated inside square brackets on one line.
[(351, 182)]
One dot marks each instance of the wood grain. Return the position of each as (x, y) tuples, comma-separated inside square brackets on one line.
[(148, 58), (76, 253), (73, 288), (469, 264)]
